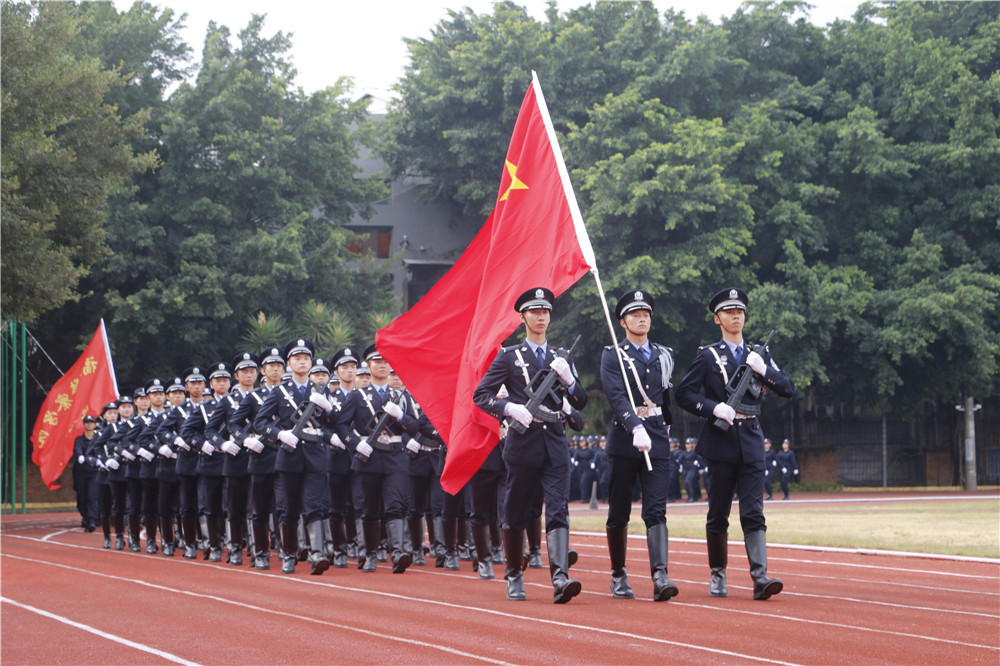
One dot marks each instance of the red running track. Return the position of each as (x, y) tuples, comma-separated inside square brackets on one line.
[(66, 600)]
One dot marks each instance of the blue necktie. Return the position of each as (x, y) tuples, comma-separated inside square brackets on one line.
[(645, 354), (738, 354), (302, 392), (540, 355)]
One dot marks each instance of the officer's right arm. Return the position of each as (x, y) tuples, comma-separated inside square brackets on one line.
[(690, 392), (485, 395), (263, 423)]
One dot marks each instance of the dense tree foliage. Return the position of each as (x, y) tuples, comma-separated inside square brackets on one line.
[(66, 150), (242, 220), (845, 176)]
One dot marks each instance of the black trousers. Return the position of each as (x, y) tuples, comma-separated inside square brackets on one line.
[(306, 494), (167, 499), (386, 495), (237, 498), (655, 486), (341, 505), (150, 496), (522, 483), (747, 480), (119, 496), (134, 489), (487, 487), (187, 495), (420, 495)]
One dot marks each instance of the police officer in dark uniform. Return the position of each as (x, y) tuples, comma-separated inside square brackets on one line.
[(691, 469), (85, 476), (145, 446), (676, 457), (210, 459), (382, 466), (344, 361), (735, 455), (541, 454), (102, 458), (235, 463), (168, 488), (302, 461), (640, 430), (186, 458), (142, 487), (770, 463), (787, 464), (260, 466), (114, 440)]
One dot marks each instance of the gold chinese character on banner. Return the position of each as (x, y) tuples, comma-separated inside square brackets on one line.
[(64, 402), (50, 418), (42, 436), (73, 385), (89, 365)]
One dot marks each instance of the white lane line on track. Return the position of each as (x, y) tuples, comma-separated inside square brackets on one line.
[(97, 632), (52, 535), (828, 549), (534, 620), (270, 611), (769, 612)]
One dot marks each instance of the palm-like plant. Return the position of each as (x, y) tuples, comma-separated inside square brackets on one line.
[(263, 331)]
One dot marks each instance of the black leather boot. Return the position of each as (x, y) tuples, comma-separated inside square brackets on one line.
[(513, 547), (303, 541), (119, 523), (317, 558), (214, 540), (401, 557), (106, 529), (151, 523), (557, 544), (290, 546), (617, 548), (262, 545), (236, 542), (167, 536), (534, 557), (437, 541), (371, 529), (763, 587), (416, 527), (718, 558), (338, 532), (484, 551), (656, 542), (134, 526), (497, 543), (450, 536), (189, 526)]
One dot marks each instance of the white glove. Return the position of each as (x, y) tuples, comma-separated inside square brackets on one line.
[(561, 366), (165, 451), (101, 465), (756, 363), (320, 401), (641, 440), (519, 413), (112, 464), (127, 455), (567, 408), (795, 471), (80, 460), (774, 463), (502, 393), (336, 442), (724, 412), (253, 444), (680, 469), (207, 448), (230, 447), (363, 449), (181, 444), (287, 438), (413, 445), (393, 410), (784, 470), (147, 456)]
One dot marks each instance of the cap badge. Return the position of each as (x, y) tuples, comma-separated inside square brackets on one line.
[(638, 296), (733, 293), (196, 371), (300, 342), (539, 293)]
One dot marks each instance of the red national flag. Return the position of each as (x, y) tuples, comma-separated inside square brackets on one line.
[(534, 237), (89, 385)]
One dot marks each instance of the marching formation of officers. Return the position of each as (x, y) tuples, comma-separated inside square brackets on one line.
[(328, 460)]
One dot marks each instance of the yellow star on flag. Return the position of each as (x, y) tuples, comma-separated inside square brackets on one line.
[(515, 184)]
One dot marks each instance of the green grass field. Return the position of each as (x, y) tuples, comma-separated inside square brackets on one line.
[(953, 528)]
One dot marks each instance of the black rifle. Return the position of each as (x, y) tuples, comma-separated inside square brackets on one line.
[(307, 414), (380, 425), (744, 384), (537, 396)]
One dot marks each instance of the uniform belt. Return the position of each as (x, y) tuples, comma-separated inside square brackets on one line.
[(745, 416), (645, 412), (424, 447)]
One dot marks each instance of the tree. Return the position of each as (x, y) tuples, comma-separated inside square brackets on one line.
[(65, 152)]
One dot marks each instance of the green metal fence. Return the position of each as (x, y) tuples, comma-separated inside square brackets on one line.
[(14, 450)]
